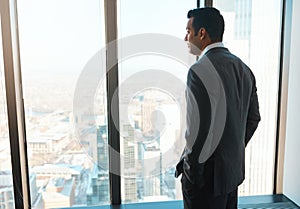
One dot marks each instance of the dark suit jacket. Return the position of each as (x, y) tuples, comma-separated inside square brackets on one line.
[(224, 167)]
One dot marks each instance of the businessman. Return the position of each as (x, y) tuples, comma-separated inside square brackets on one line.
[(222, 115)]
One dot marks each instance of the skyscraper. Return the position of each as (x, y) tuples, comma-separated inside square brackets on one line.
[(98, 190)]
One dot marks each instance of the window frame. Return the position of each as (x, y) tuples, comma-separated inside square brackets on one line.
[(15, 107)]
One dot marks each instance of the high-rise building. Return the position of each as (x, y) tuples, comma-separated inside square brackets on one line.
[(35, 196), (98, 189), (102, 147), (152, 169), (6, 190), (130, 170)]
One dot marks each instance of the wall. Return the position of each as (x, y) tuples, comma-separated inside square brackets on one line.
[(291, 175)]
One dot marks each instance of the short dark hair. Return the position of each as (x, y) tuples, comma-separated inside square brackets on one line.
[(210, 19)]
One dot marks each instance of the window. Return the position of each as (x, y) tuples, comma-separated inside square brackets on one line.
[(60, 44), (253, 34), (151, 139)]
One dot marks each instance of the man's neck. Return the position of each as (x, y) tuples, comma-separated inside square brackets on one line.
[(212, 45)]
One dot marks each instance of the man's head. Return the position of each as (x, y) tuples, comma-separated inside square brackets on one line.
[(205, 26)]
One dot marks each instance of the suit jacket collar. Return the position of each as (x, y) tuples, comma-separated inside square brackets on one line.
[(211, 46), (217, 48)]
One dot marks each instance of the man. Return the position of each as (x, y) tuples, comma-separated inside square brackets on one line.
[(222, 116)]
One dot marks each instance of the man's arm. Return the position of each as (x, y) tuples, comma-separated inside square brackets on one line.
[(253, 117), (198, 115), (198, 119)]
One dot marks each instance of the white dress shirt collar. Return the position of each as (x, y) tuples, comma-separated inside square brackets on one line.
[(211, 46)]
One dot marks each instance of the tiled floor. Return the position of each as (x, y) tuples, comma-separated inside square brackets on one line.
[(266, 202), (278, 205)]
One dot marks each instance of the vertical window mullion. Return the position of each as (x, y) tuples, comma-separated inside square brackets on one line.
[(286, 21), (208, 3), (15, 108), (112, 86)]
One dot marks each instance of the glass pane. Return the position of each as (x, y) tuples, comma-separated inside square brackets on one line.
[(6, 181), (65, 101), (253, 34), (151, 106)]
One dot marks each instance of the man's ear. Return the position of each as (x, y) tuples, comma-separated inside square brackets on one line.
[(202, 33)]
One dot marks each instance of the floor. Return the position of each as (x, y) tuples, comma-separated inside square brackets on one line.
[(251, 202), (266, 202)]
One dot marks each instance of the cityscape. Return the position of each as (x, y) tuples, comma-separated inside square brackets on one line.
[(66, 171)]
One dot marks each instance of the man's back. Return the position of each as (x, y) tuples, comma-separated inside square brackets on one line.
[(240, 92)]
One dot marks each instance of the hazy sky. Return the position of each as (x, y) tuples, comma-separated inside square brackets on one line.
[(61, 35)]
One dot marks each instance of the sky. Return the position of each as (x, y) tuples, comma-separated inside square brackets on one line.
[(62, 35)]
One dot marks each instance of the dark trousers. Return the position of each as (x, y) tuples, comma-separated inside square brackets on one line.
[(203, 198)]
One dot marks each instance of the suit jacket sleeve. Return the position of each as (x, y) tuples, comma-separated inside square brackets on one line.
[(253, 117), (198, 115)]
